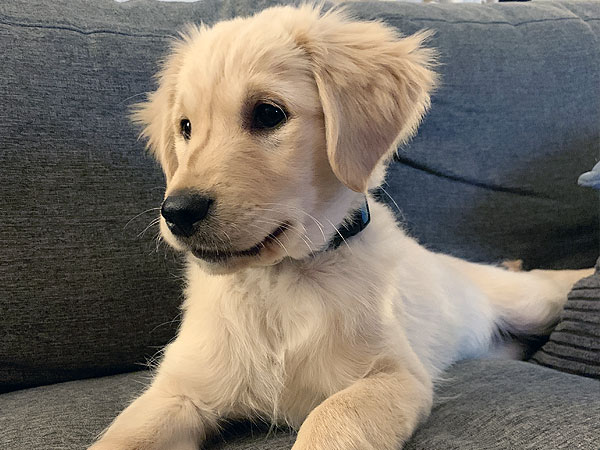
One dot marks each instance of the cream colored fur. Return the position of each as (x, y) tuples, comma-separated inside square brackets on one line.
[(342, 344)]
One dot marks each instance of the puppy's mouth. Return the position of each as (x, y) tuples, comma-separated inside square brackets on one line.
[(222, 255)]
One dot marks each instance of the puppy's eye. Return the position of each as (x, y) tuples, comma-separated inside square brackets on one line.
[(266, 116), (185, 128)]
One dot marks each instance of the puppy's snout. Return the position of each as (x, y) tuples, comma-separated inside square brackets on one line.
[(183, 210)]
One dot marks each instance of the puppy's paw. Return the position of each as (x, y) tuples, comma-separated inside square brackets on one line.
[(122, 445), (513, 265), (319, 433), (113, 445), (331, 442), (107, 446)]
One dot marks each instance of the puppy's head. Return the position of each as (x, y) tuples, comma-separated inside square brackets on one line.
[(269, 129)]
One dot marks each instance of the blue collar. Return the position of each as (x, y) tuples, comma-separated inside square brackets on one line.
[(354, 224)]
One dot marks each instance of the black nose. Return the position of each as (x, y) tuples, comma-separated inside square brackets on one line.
[(182, 210)]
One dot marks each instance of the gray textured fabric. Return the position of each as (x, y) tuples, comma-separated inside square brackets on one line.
[(574, 345), (499, 405), (480, 405), (66, 415), (491, 175)]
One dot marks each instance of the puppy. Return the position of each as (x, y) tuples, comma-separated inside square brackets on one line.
[(305, 303)]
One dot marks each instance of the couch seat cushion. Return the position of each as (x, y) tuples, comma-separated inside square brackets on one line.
[(480, 404), (574, 345)]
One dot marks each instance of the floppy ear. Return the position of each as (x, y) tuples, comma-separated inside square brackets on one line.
[(374, 88), (155, 114)]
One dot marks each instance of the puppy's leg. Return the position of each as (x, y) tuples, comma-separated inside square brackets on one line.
[(514, 265), (529, 302), (541, 308), (522, 302), (379, 412), (162, 418)]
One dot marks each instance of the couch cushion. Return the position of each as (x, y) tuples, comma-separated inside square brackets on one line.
[(479, 405), (498, 405), (491, 175), (574, 345)]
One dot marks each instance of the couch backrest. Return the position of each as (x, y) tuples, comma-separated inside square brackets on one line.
[(85, 291)]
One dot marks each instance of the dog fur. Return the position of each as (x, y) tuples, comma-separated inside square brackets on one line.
[(342, 344)]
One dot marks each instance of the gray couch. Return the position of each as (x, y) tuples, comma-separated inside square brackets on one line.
[(88, 299)]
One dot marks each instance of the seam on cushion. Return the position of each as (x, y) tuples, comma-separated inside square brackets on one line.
[(595, 36), (569, 308), (422, 19), (565, 6), (568, 319), (575, 331), (555, 341), (585, 288), (80, 31), (491, 187), (569, 358), (556, 365), (499, 22)]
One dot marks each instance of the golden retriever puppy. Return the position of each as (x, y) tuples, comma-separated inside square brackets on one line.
[(305, 303)]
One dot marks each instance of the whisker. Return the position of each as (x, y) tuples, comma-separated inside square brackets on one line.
[(394, 201), (282, 246), (133, 96), (169, 322), (215, 234), (158, 238), (274, 238), (294, 229), (338, 232), (288, 226), (304, 233), (151, 224), (138, 215), (313, 218), (236, 229)]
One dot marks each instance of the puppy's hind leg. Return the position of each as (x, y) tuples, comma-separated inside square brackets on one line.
[(533, 301), (523, 302)]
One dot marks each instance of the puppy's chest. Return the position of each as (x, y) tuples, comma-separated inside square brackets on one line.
[(304, 342)]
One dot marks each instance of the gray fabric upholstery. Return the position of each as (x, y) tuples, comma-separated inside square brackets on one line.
[(491, 175), (82, 294), (498, 405), (480, 405), (574, 345)]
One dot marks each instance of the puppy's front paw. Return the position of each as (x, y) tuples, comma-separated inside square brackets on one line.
[(116, 445), (319, 433), (316, 443), (107, 446), (123, 445)]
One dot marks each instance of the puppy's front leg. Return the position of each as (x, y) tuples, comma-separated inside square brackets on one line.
[(161, 419), (379, 412)]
